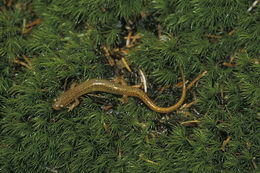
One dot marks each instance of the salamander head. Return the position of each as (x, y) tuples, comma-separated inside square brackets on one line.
[(57, 105)]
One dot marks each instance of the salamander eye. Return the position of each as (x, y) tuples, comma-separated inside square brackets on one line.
[(56, 106)]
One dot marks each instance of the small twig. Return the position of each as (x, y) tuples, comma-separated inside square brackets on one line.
[(191, 123), (143, 80), (253, 5), (126, 64), (110, 60), (229, 64), (130, 39), (196, 79), (27, 60), (231, 32), (106, 127), (225, 142), (28, 27), (106, 50), (196, 112), (27, 63), (190, 104), (35, 22), (164, 88), (141, 156), (254, 163)]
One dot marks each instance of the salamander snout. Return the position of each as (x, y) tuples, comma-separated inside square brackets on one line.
[(56, 105)]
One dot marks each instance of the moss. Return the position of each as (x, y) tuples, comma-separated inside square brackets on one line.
[(66, 47)]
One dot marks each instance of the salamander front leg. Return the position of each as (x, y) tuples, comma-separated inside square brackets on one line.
[(76, 102), (121, 81), (124, 99), (73, 105), (73, 85)]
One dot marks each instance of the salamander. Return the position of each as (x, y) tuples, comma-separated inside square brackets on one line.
[(101, 85)]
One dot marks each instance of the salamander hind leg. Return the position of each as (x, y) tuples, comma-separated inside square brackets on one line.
[(137, 86), (124, 99), (119, 80)]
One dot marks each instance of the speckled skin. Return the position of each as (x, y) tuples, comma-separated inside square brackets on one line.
[(102, 85)]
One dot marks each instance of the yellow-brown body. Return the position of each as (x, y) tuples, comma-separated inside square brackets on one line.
[(107, 86)]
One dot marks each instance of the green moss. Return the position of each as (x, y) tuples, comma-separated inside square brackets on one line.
[(66, 47)]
